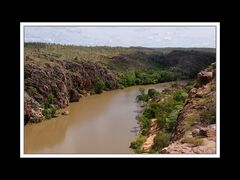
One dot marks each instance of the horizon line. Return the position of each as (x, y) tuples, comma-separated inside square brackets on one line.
[(78, 45)]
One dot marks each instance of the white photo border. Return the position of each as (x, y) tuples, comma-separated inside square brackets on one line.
[(119, 24)]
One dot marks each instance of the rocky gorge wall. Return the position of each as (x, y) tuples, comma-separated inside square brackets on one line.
[(195, 129), (66, 80)]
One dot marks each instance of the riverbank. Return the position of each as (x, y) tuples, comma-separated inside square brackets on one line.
[(181, 119)]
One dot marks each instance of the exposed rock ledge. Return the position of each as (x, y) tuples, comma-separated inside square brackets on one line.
[(147, 145), (208, 146)]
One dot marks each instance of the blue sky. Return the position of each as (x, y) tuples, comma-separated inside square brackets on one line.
[(124, 36)]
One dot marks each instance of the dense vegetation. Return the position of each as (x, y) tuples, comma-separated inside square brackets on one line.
[(164, 107), (146, 77)]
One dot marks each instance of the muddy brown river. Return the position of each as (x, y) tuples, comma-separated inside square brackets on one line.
[(104, 123)]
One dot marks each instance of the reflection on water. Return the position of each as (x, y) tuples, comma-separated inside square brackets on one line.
[(103, 123)]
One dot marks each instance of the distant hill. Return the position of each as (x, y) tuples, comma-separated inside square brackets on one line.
[(121, 58)]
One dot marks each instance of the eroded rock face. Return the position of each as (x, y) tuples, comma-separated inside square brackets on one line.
[(32, 110), (147, 146), (204, 77), (208, 145), (66, 80), (74, 95)]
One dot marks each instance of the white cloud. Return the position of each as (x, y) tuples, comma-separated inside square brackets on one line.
[(168, 38), (125, 36)]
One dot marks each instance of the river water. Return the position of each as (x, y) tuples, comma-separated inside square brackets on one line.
[(104, 123)]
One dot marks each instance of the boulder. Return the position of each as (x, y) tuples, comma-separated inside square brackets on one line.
[(204, 77), (74, 95), (65, 112), (195, 132), (202, 132)]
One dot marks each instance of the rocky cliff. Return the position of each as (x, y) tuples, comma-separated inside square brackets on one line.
[(195, 129), (66, 80)]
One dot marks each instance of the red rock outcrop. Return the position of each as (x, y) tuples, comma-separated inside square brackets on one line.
[(67, 80)]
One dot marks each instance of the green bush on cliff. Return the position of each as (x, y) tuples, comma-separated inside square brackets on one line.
[(161, 140), (171, 119), (166, 111), (99, 86), (145, 124), (180, 95), (48, 112), (50, 98), (208, 116), (137, 144)]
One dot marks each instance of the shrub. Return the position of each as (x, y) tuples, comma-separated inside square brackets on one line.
[(143, 97), (137, 144), (128, 79), (161, 140), (165, 76), (171, 119), (149, 113), (138, 81), (48, 112), (208, 116), (190, 120), (180, 95), (193, 140), (50, 98), (202, 101), (145, 124), (190, 85), (152, 93), (161, 120), (99, 86)]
